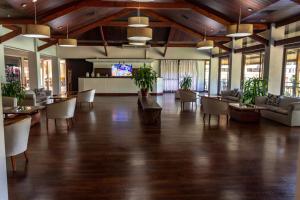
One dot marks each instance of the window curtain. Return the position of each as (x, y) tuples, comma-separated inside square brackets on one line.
[(169, 71), (189, 68)]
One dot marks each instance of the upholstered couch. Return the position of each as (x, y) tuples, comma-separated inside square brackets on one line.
[(36, 97), (231, 95), (286, 111)]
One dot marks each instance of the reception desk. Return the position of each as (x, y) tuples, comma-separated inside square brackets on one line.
[(115, 85)]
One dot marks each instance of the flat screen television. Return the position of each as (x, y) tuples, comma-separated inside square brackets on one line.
[(121, 70)]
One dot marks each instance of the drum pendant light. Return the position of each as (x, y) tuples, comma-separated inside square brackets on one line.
[(139, 34), (36, 30), (239, 30), (205, 44), (67, 42)]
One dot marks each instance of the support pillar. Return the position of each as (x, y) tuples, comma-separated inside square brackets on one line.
[(213, 76), (2, 61), (274, 60), (236, 64), (34, 63), (56, 75)]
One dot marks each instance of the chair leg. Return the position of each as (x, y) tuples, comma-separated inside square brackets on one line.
[(47, 125), (209, 117), (227, 118), (92, 104), (13, 163), (218, 119), (55, 122), (204, 117), (26, 157)]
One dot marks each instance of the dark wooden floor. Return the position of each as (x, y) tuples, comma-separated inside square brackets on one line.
[(108, 154)]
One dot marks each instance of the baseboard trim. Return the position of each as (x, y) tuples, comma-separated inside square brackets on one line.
[(125, 94)]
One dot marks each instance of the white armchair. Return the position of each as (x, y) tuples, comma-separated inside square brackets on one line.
[(16, 135), (86, 97), (61, 110), (187, 96), (214, 106)]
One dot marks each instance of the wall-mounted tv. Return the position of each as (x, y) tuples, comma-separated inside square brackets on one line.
[(121, 70)]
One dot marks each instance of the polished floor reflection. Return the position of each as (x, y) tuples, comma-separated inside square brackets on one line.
[(108, 154)]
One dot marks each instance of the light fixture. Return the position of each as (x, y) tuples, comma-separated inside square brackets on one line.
[(138, 21), (137, 43), (67, 42), (139, 34), (205, 44), (36, 30), (239, 30)]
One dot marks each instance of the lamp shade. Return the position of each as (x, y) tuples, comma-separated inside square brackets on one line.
[(67, 42), (205, 44), (36, 31), (138, 21), (243, 30), (137, 43), (139, 34)]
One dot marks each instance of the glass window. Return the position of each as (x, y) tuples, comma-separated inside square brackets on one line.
[(224, 74), (25, 73), (46, 74), (63, 79), (253, 65), (206, 75), (291, 80)]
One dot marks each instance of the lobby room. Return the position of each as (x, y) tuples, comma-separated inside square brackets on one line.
[(150, 99)]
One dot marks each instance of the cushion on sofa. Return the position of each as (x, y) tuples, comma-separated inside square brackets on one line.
[(277, 109), (273, 100), (286, 101)]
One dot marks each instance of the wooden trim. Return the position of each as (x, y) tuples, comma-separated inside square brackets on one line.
[(171, 35), (221, 46), (125, 94), (288, 20), (250, 49), (221, 55), (287, 41)]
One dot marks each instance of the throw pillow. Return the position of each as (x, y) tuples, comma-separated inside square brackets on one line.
[(235, 92), (273, 100)]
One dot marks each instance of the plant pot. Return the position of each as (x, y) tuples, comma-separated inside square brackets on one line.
[(144, 92)]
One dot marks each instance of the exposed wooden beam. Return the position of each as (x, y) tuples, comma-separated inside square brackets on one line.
[(287, 41), (16, 21), (260, 39), (10, 35), (221, 55), (171, 35), (288, 21), (125, 24), (46, 45), (221, 46), (250, 49), (99, 22), (297, 1), (105, 43)]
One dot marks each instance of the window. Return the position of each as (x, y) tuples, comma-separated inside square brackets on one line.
[(291, 79), (46, 74), (206, 75), (253, 65), (63, 79), (224, 74)]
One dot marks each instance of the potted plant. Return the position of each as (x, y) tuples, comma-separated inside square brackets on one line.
[(186, 83), (254, 87), (13, 89), (144, 78)]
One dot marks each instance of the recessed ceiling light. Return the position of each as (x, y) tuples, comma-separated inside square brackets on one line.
[(23, 5), (8, 15), (250, 9)]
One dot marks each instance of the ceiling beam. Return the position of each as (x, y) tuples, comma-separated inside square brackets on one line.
[(46, 45), (170, 37), (125, 24), (99, 22), (260, 39), (250, 49), (286, 41), (105, 43), (297, 1), (222, 46), (288, 20), (10, 35)]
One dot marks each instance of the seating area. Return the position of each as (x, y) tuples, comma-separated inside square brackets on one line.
[(150, 100)]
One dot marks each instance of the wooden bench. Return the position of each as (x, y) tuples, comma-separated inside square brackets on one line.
[(150, 110)]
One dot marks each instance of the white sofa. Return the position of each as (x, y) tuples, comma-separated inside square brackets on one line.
[(287, 112)]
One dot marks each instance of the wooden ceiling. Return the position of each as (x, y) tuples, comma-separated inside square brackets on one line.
[(180, 22)]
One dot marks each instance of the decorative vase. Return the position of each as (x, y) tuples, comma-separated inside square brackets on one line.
[(93, 74), (144, 92), (98, 75), (87, 74)]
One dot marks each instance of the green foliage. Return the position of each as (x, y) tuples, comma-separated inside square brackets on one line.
[(186, 83), (13, 89), (144, 78), (254, 87)]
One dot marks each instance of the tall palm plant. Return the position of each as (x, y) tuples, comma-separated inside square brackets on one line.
[(254, 87)]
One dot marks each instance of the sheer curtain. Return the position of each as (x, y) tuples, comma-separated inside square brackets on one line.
[(169, 71), (189, 68)]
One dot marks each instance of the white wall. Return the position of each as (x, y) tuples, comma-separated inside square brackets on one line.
[(214, 72), (118, 52)]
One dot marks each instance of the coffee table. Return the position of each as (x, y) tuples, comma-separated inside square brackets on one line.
[(33, 111), (245, 113)]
